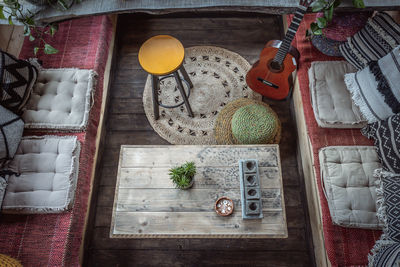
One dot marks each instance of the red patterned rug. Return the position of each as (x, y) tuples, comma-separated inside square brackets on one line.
[(345, 246), (55, 239)]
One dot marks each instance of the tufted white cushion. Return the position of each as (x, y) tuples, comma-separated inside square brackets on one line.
[(60, 100), (349, 184), (48, 168), (331, 101)]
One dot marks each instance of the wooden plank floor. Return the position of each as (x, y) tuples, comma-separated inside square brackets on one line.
[(126, 123)]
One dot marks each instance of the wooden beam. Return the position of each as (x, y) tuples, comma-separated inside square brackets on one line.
[(100, 130), (307, 162), (96, 7)]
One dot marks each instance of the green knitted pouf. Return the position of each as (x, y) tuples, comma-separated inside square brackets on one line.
[(254, 124)]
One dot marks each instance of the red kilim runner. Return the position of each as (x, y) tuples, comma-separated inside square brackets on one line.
[(345, 246), (55, 239)]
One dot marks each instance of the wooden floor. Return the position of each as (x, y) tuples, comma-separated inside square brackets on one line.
[(126, 123)]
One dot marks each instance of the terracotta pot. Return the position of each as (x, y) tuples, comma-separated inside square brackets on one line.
[(221, 211)]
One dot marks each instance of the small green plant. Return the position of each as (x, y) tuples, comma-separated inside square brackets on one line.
[(326, 7), (182, 176)]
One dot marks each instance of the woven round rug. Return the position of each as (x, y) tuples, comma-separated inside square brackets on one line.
[(218, 76), (223, 124)]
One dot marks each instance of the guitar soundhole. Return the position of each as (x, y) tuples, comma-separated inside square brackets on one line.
[(275, 66)]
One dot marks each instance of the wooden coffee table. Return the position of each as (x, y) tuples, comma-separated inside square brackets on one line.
[(147, 205)]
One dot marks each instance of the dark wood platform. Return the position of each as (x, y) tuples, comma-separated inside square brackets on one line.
[(126, 123)]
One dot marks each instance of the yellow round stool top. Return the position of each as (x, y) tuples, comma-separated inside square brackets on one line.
[(161, 55)]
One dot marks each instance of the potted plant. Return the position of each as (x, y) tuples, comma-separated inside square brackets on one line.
[(331, 29), (182, 176), (13, 11), (326, 8)]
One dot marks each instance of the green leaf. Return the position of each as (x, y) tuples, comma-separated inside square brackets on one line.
[(62, 4), (27, 30), (329, 13), (31, 38), (321, 22), (315, 29), (48, 49), (336, 3), (317, 32), (53, 29), (317, 6), (10, 20), (30, 21), (2, 13), (358, 3), (35, 50)]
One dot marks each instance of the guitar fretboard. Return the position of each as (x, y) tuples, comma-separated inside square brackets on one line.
[(291, 32)]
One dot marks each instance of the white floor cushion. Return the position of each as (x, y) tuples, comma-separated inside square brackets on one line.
[(331, 101), (349, 185), (48, 171), (60, 100)]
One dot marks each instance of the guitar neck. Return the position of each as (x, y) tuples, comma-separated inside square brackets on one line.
[(291, 32)]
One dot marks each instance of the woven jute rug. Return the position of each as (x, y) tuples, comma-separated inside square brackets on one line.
[(218, 77)]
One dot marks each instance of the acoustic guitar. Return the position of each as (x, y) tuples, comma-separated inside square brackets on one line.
[(269, 76)]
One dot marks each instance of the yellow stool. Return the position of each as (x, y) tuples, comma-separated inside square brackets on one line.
[(163, 55)]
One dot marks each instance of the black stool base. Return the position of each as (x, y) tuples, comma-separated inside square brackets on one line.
[(178, 80)]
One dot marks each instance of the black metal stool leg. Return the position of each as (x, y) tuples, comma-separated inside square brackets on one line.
[(182, 90), (155, 86), (186, 76)]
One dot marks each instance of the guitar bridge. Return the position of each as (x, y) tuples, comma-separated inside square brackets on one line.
[(268, 83)]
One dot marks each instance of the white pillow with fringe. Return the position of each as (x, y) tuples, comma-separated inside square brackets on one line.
[(61, 100), (375, 89)]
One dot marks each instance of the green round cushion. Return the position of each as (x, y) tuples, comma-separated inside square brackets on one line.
[(254, 124)]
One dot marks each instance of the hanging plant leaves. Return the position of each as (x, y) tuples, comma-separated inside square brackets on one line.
[(329, 13), (358, 3), (53, 29), (321, 22), (48, 49), (2, 13), (318, 5)]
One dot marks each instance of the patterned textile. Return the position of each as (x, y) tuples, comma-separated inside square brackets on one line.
[(386, 251), (386, 135), (374, 89), (345, 24), (218, 77), (388, 256), (344, 246), (55, 239), (327, 46), (391, 196), (379, 36), (11, 129), (17, 78)]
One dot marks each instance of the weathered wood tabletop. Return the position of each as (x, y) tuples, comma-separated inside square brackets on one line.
[(147, 205)]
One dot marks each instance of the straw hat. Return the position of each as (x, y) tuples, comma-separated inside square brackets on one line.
[(247, 121)]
